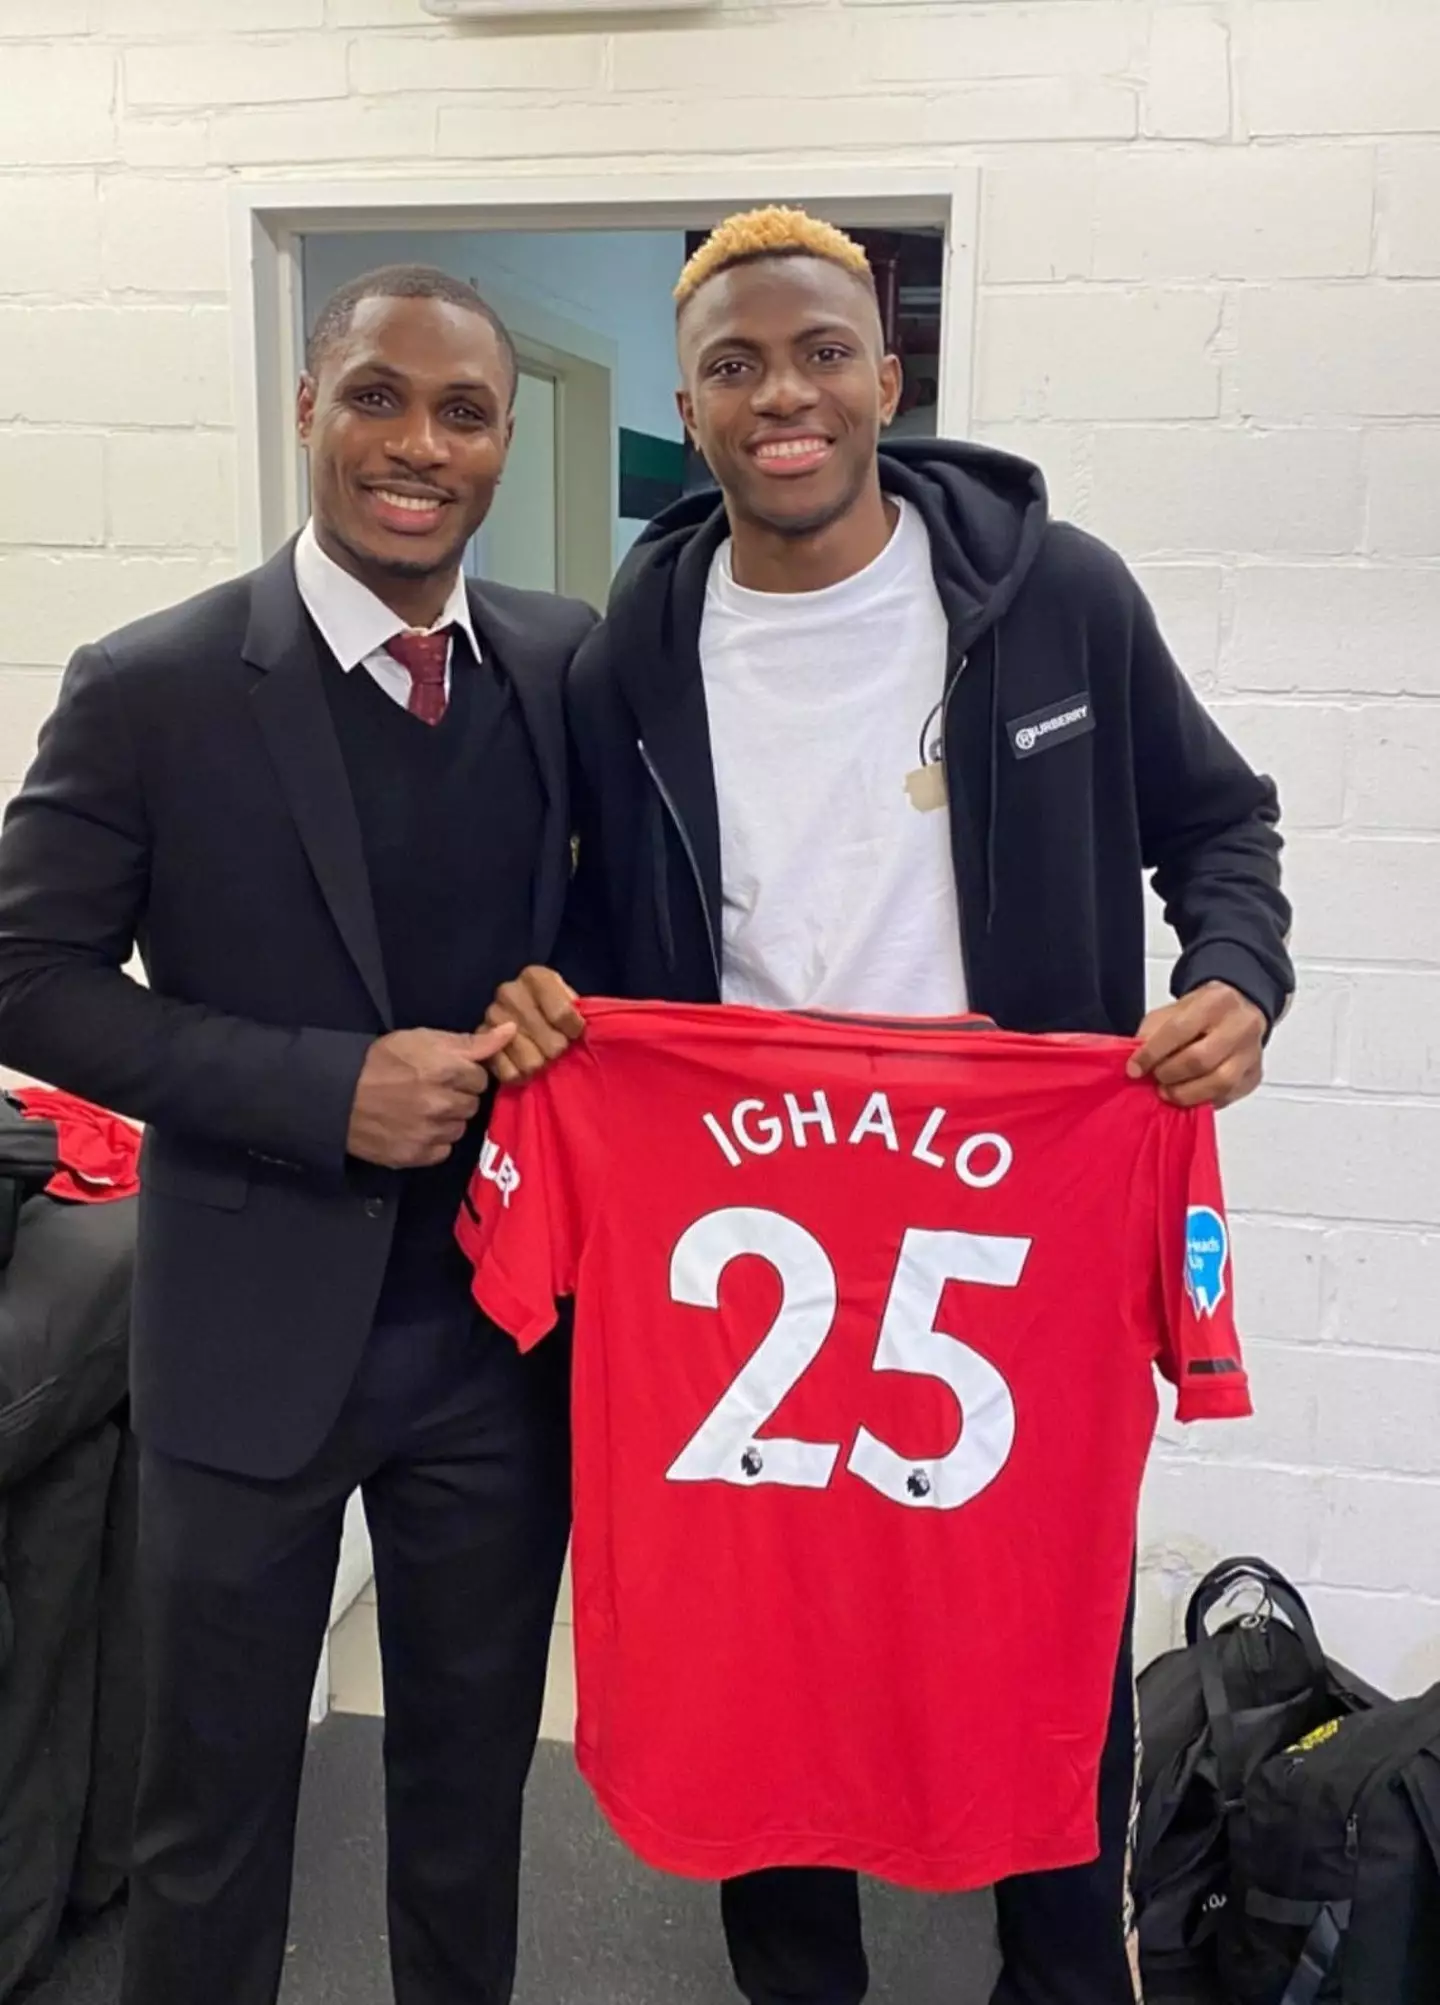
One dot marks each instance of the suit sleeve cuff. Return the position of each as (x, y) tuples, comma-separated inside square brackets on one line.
[(317, 1098)]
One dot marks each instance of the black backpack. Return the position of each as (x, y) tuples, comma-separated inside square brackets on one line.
[(29, 1158), (1335, 1866), (1210, 1714)]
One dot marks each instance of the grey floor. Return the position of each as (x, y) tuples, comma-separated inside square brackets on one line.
[(598, 1929)]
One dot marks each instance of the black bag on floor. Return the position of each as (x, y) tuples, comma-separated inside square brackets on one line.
[(29, 1158), (70, 1712), (1210, 1713), (51, 1542), (1335, 1866)]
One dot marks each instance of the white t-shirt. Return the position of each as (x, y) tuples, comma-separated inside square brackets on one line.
[(839, 893)]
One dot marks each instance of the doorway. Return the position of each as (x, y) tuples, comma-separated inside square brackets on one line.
[(598, 446), (601, 255), (570, 265)]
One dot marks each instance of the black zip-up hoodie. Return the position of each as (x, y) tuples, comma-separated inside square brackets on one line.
[(1077, 758)]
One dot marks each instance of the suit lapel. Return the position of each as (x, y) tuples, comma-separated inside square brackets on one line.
[(294, 718)]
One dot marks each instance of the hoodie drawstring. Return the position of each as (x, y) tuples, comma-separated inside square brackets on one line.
[(992, 810), (661, 873)]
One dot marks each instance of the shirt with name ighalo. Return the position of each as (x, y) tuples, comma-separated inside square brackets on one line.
[(867, 1317), (838, 881)]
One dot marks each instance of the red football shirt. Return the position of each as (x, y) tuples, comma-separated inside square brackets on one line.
[(866, 1322)]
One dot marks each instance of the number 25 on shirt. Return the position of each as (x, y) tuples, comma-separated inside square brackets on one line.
[(728, 1448)]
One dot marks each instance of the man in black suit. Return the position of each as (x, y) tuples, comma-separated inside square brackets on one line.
[(328, 802)]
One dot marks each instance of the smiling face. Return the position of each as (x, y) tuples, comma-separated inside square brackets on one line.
[(407, 424), (786, 389)]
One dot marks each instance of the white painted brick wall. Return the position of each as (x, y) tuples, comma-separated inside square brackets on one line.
[(1396, 772), (115, 364), (1301, 212), (1189, 603), (164, 236), (44, 17), (49, 233), (339, 134), (1395, 1035), (289, 69), (1381, 1534), (1117, 353), (27, 696), (1062, 450), (1039, 219), (1410, 242), (1187, 93), (52, 488), (1182, 489), (1309, 351), (182, 18), (1399, 1632), (1366, 898), (171, 490), (1402, 491), (57, 103), (1161, 214), (394, 65), (1311, 1053), (1329, 629), (1209, 305), (55, 602), (1327, 66), (1304, 747), (1386, 1285), (1305, 1156), (1281, 1267)]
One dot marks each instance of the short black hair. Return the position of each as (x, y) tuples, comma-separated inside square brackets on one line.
[(402, 282)]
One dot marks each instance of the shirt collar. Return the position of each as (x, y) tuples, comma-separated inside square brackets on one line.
[(353, 623)]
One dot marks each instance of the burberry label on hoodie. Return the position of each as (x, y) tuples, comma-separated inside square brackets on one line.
[(1057, 722)]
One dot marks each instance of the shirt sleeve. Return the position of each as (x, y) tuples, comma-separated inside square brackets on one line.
[(1199, 1345), (522, 1224)]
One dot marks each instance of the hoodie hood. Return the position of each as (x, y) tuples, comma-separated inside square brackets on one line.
[(985, 512), (986, 516), (1046, 627)]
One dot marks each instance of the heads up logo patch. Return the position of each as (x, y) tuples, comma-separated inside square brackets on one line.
[(1207, 1250)]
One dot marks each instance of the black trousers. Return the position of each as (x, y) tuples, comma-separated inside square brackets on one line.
[(460, 1447), (795, 1938)]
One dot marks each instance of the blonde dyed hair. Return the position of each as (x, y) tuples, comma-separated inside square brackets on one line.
[(770, 233)]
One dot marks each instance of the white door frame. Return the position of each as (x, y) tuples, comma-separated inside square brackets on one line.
[(584, 367), (268, 219)]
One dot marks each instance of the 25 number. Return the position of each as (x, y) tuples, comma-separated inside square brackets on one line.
[(727, 1447)]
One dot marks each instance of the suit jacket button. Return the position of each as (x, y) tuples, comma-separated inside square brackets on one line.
[(374, 1207)]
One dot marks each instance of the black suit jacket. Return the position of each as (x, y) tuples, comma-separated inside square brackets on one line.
[(189, 797)]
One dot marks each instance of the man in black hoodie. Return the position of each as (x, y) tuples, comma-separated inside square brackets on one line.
[(878, 736)]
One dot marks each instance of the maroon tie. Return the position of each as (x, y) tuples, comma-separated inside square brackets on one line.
[(424, 656)]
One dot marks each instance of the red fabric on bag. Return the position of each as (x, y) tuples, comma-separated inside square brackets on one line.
[(99, 1153)]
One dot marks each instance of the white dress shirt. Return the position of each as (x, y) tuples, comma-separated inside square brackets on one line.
[(356, 626)]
